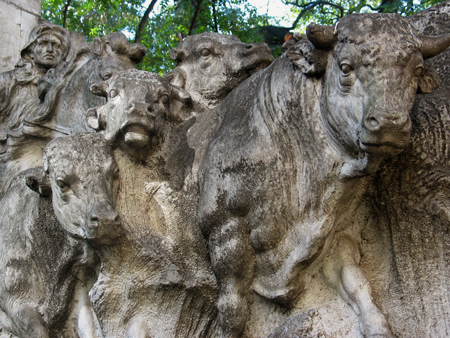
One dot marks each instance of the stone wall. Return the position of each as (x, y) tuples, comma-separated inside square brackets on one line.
[(18, 18)]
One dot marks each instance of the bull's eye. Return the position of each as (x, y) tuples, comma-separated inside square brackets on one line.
[(346, 69), (164, 98), (205, 52), (62, 184), (107, 76), (113, 93), (418, 71)]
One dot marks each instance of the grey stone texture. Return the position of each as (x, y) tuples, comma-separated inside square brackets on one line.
[(235, 196), (18, 19)]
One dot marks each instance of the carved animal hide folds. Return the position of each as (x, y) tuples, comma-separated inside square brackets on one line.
[(235, 196)]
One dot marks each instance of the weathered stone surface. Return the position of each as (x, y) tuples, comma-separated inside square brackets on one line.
[(38, 106), (18, 19), (282, 178), (210, 65), (306, 202)]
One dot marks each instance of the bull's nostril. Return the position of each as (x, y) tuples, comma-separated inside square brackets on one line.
[(372, 122)]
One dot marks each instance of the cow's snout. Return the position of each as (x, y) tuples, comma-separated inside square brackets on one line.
[(375, 122), (385, 132), (103, 224), (140, 108)]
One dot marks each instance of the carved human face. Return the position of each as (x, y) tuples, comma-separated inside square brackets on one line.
[(47, 51)]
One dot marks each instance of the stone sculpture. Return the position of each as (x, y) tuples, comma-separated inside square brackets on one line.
[(47, 265), (228, 200), (47, 47), (276, 194), (64, 97), (210, 65)]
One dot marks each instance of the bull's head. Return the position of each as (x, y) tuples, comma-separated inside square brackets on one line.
[(79, 173), (140, 107), (210, 65), (372, 66)]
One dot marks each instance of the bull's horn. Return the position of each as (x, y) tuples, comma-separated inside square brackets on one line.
[(434, 45), (322, 37)]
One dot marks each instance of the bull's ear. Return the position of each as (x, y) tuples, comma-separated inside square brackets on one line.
[(428, 81), (176, 77), (98, 46), (177, 54), (136, 52), (181, 104), (309, 59), (94, 119), (99, 89), (37, 180)]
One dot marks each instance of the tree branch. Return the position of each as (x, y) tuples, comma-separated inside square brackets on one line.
[(144, 20), (307, 7), (66, 8), (194, 18), (216, 29)]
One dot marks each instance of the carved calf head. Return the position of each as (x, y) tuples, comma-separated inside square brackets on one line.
[(372, 66), (79, 173), (140, 106), (210, 65)]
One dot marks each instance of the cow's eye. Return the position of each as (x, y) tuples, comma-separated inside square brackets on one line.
[(113, 93), (62, 184), (418, 71), (164, 98), (107, 76), (205, 52), (346, 69)]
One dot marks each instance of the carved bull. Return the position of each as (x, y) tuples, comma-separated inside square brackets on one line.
[(210, 65), (282, 178), (47, 266)]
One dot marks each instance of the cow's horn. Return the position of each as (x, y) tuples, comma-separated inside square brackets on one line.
[(434, 45), (322, 37)]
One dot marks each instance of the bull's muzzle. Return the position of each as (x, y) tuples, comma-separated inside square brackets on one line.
[(139, 125), (103, 224), (385, 133)]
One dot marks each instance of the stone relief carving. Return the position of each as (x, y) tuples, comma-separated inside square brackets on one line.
[(310, 201)]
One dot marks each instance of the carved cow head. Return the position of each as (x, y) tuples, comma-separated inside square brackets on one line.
[(140, 106), (372, 66), (116, 54), (79, 173), (210, 65)]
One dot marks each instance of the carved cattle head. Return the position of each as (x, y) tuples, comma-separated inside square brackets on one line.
[(79, 173), (210, 65), (116, 54), (372, 66), (140, 106)]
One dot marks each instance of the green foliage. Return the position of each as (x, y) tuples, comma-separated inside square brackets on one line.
[(170, 18), (163, 30), (161, 34), (329, 12)]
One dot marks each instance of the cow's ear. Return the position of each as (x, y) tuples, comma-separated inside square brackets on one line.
[(176, 77), (94, 119), (98, 46), (310, 60), (177, 54), (136, 52), (428, 81), (181, 104), (99, 89), (37, 180)]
